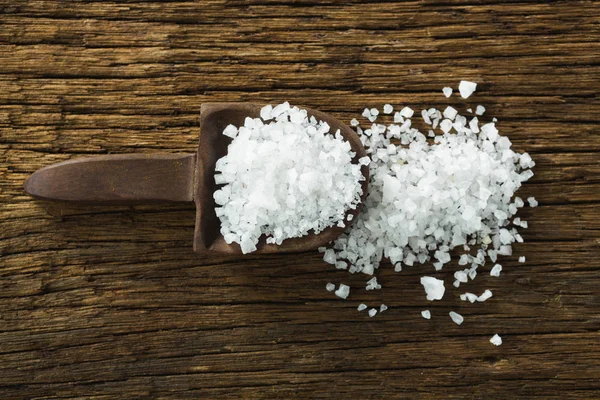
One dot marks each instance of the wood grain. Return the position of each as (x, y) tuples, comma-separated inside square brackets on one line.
[(110, 303)]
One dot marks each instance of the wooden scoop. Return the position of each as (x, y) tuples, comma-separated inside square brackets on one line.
[(151, 178)]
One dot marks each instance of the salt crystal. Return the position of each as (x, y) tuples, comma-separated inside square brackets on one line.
[(366, 113), (434, 288), (495, 271), (532, 202), (343, 291), (522, 259), (466, 88), (353, 122), (372, 284), (446, 125), (447, 91), (374, 111), (426, 314), (231, 131), (407, 112), (372, 312), (329, 256), (382, 308), (485, 295), (450, 112), (330, 287), (265, 112), (362, 307), (387, 108), (479, 110), (457, 318), (496, 340)]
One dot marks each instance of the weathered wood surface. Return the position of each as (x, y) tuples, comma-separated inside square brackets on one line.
[(104, 303)]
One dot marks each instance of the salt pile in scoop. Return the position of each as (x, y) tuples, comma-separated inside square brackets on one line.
[(284, 175), (427, 197)]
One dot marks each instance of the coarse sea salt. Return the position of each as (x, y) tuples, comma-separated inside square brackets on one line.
[(430, 196), (456, 317), (466, 88), (284, 175), (447, 91), (496, 340), (426, 314)]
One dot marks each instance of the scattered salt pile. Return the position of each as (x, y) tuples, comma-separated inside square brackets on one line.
[(431, 194), (284, 175)]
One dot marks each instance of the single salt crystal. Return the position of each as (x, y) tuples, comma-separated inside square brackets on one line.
[(532, 202), (374, 111), (364, 160), (450, 112), (372, 284), (519, 202), (343, 291), (329, 256), (522, 259), (456, 317), (330, 287), (366, 113), (425, 116), (466, 88), (446, 125), (387, 108), (426, 314), (265, 112), (485, 295), (496, 340), (479, 110), (461, 276), (447, 91), (353, 122), (372, 312), (490, 131), (231, 131), (496, 269), (474, 125), (382, 308), (341, 264), (407, 112), (362, 307), (434, 288), (469, 110), (398, 119)]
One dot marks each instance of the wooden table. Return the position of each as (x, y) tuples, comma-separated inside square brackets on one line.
[(110, 303)]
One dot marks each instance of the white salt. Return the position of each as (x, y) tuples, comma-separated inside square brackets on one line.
[(484, 296), (283, 177), (496, 340), (466, 88), (522, 259), (407, 112), (426, 314), (532, 202), (330, 287), (450, 112), (471, 297), (362, 307), (434, 288), (447, 91), (343, 291), (387, 108), (353, 122), (496, 269), (382, 308), (372, 312), (457, 318), (479, 110), (372, 284)]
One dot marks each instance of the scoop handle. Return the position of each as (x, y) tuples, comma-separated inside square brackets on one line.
[(117, 179)]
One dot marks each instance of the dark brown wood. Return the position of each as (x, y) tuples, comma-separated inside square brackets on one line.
[(110, 303), (117, 179)]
